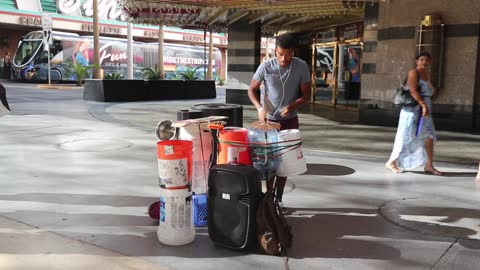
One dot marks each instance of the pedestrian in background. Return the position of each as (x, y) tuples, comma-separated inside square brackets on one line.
[(415, 136), (7, 66), (287, 86)]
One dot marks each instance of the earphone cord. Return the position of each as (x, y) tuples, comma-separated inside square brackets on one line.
[(283, 84)]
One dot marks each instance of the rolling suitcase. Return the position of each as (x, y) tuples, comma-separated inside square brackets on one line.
[(233, 195)]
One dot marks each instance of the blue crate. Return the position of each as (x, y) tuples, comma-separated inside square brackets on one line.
[(199, 213)]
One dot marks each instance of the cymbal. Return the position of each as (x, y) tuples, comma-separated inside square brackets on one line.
[(265, 125)]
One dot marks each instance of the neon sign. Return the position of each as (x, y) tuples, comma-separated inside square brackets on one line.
[(107, 9), (113, 57)]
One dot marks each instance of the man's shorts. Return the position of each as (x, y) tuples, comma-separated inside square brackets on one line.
[(291, 123)]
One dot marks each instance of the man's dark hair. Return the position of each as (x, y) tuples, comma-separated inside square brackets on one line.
[(285, 41), (425, 54)]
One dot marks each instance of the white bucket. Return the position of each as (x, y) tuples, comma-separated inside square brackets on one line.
[(201, 137), (173, 173), (292, 161), (175, 226)]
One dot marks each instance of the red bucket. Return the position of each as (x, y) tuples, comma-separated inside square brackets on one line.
[(233, 147), (174, 163)]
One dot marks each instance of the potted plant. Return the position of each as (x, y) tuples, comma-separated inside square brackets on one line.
[(153, 74), (176, 77), (220, 81), (189, 74)]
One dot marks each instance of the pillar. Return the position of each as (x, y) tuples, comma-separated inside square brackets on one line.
[(129, 51), (160, 66), (243, 59)]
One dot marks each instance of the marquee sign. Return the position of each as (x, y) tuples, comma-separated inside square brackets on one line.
[(155, 13)]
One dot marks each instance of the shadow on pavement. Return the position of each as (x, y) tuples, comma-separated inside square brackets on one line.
[(328, 169), (454, 221), (449, 174), (338, 233)]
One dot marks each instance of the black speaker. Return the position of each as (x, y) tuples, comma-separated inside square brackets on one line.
[(233, 195)]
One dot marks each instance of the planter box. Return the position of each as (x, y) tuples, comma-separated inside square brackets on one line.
[(175, 89), (137, 90)]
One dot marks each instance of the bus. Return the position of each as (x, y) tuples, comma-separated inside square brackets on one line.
[(30, 62)]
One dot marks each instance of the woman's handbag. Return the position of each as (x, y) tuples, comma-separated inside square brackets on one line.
[(402, 94), (403, 97)]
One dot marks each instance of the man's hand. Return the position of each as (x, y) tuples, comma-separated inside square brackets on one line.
[(262, 114), (285, 111)]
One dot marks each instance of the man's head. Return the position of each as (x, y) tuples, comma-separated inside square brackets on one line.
[(284, 49)]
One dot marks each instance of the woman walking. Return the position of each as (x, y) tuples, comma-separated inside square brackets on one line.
[(415, 136)]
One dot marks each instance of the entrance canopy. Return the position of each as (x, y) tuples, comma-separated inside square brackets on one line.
[(274, 15)]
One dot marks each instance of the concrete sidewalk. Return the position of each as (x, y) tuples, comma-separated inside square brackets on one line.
[(77, 177)]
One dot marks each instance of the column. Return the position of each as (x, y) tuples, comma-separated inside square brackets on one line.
[(243, 60)]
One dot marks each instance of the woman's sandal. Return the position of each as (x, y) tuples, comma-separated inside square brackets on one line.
[(434, 172), (393, 168)]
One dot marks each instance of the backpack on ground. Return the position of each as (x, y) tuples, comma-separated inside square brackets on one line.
[(273, 232)]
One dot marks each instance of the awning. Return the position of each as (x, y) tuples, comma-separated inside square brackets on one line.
[(273, 15)]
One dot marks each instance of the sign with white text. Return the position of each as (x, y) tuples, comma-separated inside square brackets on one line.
[(46, 21)]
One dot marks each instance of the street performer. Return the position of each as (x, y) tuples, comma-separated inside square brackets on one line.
[(287, 86)]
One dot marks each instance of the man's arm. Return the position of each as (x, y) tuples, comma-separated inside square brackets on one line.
[(305, 91), (252, 95)]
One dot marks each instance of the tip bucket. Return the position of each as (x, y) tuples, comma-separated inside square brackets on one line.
[(174, 163), (233, 147)]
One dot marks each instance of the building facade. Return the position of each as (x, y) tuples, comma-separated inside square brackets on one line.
[(358, 65), (394, 33)]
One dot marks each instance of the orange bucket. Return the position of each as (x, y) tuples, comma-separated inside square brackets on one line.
[(233, 146), (174, 163)]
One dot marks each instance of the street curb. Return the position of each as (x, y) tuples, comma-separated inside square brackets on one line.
[(58, 87)]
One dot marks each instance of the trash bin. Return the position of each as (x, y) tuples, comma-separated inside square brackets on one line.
[(188, 114), (233, 111)]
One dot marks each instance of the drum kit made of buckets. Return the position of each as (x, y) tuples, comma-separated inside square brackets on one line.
[(185, 157)]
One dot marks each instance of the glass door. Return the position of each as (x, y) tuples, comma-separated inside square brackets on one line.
[(349, 79), (324, 67), (337, 74)]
